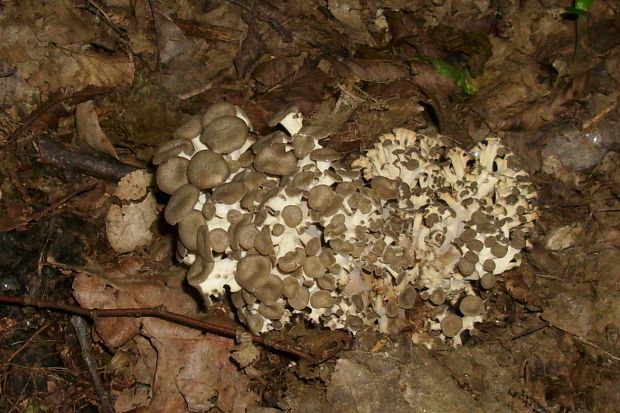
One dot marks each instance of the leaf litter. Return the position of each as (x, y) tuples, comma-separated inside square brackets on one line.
[(357, 69)]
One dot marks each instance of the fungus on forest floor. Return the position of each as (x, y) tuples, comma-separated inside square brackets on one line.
[(289, 230)]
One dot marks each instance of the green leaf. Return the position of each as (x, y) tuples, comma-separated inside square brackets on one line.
[(35, 406), (580, 7), (458, 75)]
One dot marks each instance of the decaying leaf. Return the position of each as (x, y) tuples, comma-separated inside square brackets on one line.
[(89, 134), (127, 225)]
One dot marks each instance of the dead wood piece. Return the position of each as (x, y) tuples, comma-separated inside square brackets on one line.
[(96, 165)]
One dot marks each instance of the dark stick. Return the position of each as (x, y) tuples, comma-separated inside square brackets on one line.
[(157, 312), (83, 334), (96, 165)]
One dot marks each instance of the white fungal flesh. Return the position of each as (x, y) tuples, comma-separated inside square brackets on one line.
[(410, 212)]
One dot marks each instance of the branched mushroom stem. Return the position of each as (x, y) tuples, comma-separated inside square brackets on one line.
[(157, 312)]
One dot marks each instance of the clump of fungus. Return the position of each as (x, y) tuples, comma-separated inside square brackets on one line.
[(288, 229)]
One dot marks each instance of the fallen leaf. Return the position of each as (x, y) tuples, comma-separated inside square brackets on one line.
[(89, 134), (134, 185), (127, 226)]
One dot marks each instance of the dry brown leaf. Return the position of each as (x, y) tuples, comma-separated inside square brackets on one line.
[(93, 292), (127, 226), (380, 71), (89, 134), (134, 186)]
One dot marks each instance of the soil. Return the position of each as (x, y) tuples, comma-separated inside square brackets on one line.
[(90, 89)]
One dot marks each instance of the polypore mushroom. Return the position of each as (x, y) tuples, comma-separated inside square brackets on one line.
[(181, 203), (172, 174), (217, 110), (451, 325), (274, 159), (225, 134), (253, 272), (207, 169), (289, 229), (190, 129), (471, 306)]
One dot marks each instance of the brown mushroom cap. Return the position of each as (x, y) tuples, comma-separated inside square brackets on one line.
[(468, 235), (273, 159), (302, 146), (208, 169), (271, 290), (321, 299), (208, 209), (325, 154), (263, 243), (475, 245), (471, 305), (292, 215), (313, 246), (170, 149), (313, 267), (292, 260), (488, 265), (188, 228), (181, 203), (199, 272), (190, 129), (253, 272), (225, 134), (219, 239), (487, 281), (438, 296), (217, 110), (229, 193), (384, 188), (300, 300), (271, 311), (277, 229), (499, 250), (320, 197), (327, 282), (451, 324), (407, 297), (466, 267), (290, 286), (172, 174), (244, 235)]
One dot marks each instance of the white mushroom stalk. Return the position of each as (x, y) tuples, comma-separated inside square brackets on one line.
[(288, 230)]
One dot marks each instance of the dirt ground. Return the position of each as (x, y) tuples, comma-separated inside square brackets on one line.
[(90, 89)]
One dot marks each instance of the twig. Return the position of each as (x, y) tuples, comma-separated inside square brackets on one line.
[(83, 334), (54, 99), (27, 342), (156, 312), (40, 214), (530, 330), (96, 165)]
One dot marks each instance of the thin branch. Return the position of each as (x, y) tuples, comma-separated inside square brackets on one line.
[(54, 99), (156, 312), (83, 334)]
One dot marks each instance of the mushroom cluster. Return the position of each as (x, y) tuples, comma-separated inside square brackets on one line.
[(287, 228)]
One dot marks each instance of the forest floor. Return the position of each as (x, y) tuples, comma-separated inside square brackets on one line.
[(540, 75)]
